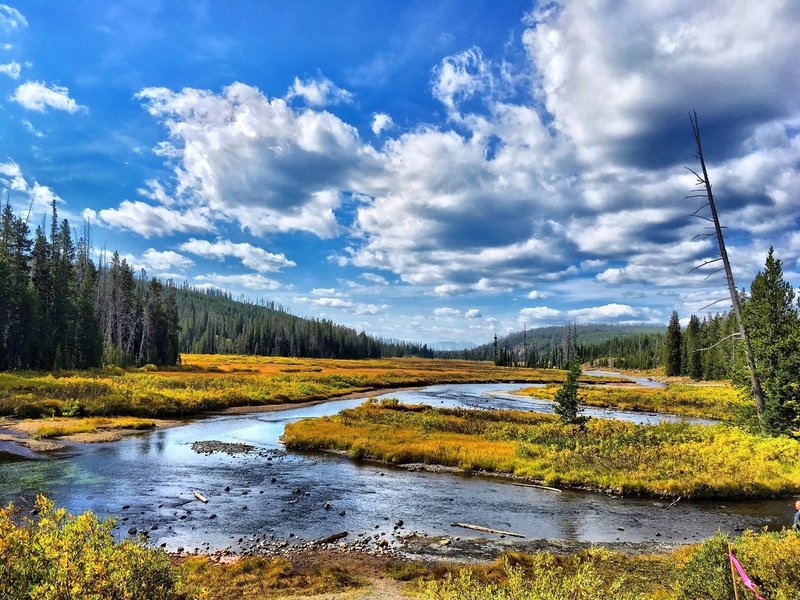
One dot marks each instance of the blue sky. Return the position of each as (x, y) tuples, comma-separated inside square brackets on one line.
[(428, 171)]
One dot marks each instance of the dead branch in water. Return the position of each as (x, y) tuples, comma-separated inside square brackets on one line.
[(487, 529)]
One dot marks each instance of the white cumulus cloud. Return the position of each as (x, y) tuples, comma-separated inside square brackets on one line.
[(250, 281), (11, 69), (148, 220), (381, 122), (319, 91), (11, 19), (251, 256), (37, 96), (257, 161)]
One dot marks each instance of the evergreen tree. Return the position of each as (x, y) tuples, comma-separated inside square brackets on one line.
[(693, 361), (567, 396), (773, 326), (672, 346)]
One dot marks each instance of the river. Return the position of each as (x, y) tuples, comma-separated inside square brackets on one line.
[(148, 481)]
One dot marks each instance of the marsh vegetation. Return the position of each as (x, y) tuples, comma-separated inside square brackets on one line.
[(669, 459)]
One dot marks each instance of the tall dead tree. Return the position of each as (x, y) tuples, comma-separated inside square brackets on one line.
[(704, 181)]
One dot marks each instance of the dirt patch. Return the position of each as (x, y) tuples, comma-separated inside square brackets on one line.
[(19, 433), (96, 437), (31, 444)]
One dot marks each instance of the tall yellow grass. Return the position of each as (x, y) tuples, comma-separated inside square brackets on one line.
[(213, 382), (719, 401), (670, 459)]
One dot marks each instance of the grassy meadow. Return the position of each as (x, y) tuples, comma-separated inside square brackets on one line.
[(214, 382), (670, 459)]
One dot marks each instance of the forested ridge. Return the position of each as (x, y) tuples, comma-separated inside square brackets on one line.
[(60, 310), (212, 322), (632, 346)]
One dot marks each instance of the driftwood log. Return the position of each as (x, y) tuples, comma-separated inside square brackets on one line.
[(487, 529), (538, 487), (331, 538)]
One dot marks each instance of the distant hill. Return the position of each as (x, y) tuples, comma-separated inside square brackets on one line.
[(545, 343), (212, 322), (451, 346)]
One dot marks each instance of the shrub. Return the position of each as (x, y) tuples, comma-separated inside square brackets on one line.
[(542, 578), (771, 559), (57, 556), (72, 408)]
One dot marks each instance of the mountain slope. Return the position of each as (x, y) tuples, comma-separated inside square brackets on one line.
[(212, 322)]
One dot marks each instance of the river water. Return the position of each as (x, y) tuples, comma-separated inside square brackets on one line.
[(148, 480)]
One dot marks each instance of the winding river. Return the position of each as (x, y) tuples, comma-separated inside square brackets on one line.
[(148, 481)]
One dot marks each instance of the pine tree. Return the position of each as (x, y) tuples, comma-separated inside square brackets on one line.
[(567, 396), (774, 328), (693, 365), (672, 346)]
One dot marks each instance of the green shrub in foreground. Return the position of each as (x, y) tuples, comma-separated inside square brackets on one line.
[(771, 559), (57, 556)]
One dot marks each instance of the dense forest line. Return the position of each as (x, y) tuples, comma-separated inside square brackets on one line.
[(60, 310), (212, 322), (633, 346)]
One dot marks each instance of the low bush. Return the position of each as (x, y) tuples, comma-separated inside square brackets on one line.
[(771, 560), (56, 556)]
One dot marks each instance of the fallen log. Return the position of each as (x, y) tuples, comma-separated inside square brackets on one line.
[(200, 497), (487, 529), (538, 487), (331, 538)]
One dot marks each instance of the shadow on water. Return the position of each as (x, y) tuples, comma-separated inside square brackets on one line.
[(148, 481)]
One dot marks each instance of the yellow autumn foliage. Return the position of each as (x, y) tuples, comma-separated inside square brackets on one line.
[(669, 459)]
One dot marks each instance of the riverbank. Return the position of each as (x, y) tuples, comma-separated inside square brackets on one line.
[(54, 434), (56, 543), (668, 460), (206, 384)]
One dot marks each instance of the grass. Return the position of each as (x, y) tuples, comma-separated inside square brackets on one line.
[(63, 426), (771, 559), (717, 401), (213, 382), (670, 459), (595, 574), (254, 578)]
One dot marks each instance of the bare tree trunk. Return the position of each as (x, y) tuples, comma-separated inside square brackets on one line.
[(755, 383)]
